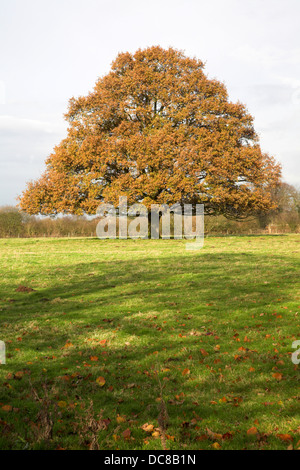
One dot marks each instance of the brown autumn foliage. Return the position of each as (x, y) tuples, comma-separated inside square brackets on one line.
[(157, 130)]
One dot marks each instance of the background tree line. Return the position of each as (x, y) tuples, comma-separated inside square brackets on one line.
[(284, 219)]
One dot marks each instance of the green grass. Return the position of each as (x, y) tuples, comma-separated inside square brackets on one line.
[(210, 327)]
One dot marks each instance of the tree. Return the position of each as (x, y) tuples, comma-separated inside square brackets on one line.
[(286, 200), (157, 130), (11, 222)]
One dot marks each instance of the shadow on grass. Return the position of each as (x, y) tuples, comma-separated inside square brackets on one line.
[(204, 300)]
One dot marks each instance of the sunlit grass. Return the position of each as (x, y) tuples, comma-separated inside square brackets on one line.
[(216, 324)]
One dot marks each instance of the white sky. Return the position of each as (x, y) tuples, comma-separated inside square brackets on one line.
[(53, 50)]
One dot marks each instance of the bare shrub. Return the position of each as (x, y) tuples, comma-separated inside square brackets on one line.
[(90, 425), (43, 427)]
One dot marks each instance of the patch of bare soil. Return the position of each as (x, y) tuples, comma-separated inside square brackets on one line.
[(24, 289)]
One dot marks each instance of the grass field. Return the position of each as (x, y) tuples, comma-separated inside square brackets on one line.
[(142, 328)]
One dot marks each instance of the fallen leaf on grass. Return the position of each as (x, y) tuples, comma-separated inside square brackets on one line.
[(120, 419), (277, 376), (101, 381), (216, 446), (6, 408), (62, 404), (127, 434), (148, 427), (203, 352), (285, 437), (213, 435), (252, 431), (19, 375), (94, 359)]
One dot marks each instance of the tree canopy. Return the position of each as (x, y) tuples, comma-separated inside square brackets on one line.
[(157, 130)]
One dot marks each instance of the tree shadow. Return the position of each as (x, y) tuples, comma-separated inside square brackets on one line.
[(200, 297)]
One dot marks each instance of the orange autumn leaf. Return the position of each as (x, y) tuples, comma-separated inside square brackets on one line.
[(121, 419), (148, 427), (277, 376), (285, 437), (216, 446), (62, 404), (94, 358), (203, 352), (213, 435), (19, 375), (186, 372), (252, 431), (127, 434), (6, 408), (101, 381)]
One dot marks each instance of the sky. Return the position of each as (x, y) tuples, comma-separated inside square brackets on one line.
[(53, 50)]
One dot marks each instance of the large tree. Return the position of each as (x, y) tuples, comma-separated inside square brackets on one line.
[(157, 130)]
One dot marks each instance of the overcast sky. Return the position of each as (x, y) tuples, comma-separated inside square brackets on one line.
[(53, 50)]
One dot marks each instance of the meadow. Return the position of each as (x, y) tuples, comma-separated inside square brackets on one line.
[(140, 344)]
